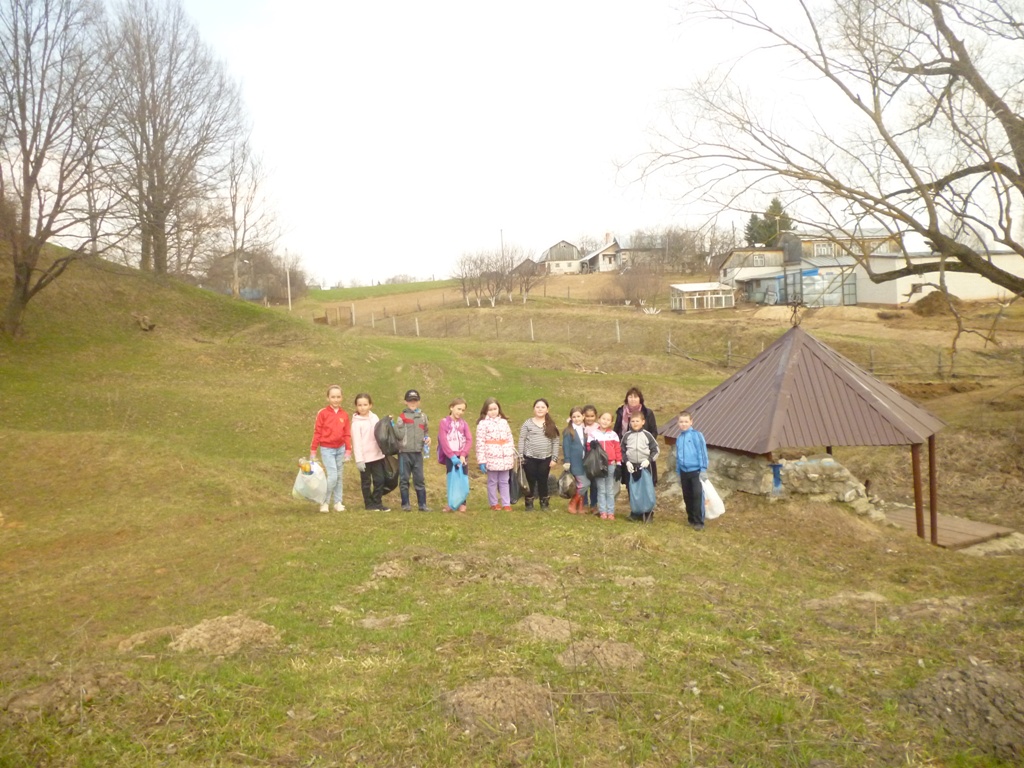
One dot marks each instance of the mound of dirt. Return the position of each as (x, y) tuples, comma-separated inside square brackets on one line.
[(936, 303), (980, 706), (384, 622), (604, 654), (226, 635), (502, 705), (64, 699), (542, 627)]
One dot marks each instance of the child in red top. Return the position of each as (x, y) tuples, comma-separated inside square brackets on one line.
[(332, 434)]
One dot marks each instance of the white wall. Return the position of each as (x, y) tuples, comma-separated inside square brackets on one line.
[(963, 285)]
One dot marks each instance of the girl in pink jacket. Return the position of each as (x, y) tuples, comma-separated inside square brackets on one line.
[(495, 452), (454, 440), (368, 455)]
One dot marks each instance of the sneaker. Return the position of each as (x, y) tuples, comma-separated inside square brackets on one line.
[(425, 509), (496, 507), (611, 517), (604, 515), (505, 509), (324, 508), (699, 527), (339, 507), (383, 509), (406, 508)]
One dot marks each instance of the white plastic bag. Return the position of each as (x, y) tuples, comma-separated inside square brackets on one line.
[(312, 485), (713, 504)]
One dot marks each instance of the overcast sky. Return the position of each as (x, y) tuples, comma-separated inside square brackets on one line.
[(401, 135)]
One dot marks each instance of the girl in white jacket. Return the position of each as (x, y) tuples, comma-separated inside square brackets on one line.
[(495, 452)]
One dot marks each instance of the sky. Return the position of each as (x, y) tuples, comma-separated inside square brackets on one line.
[(399, 136)]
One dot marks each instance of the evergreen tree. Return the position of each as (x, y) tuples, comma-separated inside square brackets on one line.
[(767, 228)]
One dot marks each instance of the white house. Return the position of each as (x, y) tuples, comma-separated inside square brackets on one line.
[(562, 258), (907, 290)]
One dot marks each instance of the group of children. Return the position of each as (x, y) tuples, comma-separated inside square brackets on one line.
[(630, 450)]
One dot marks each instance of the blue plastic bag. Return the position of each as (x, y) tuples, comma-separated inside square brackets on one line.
[(641, 493), (458, 484)]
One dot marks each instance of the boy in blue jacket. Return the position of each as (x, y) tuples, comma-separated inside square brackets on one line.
[(692, 465)]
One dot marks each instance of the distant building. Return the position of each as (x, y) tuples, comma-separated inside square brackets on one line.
[(830, 271)]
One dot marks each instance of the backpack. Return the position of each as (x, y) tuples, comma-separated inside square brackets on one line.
[(387, 437), (595, 463)]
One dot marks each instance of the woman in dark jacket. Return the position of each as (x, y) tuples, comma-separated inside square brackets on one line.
[(634, 403)]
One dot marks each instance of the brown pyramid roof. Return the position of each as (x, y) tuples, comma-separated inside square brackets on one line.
[(800, 393)]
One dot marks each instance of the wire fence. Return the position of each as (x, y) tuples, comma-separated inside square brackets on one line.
[(659, 331)]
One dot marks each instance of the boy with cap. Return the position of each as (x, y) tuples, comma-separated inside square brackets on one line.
[(412, 424)]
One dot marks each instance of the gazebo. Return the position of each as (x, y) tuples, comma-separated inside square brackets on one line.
[(799, 393)]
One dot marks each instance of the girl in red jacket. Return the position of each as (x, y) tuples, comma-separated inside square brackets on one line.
[(332, 434)]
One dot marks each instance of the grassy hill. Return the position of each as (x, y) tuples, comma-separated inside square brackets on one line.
[(166, 602)]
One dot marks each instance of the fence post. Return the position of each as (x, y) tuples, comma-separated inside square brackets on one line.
[(728, 354), (446, 326), (418, 307), (531, 330), (417, 326), (373, 323), (394, 325), (353, 315), (497, 334), (940, 363), (618, 332), (871, 360)]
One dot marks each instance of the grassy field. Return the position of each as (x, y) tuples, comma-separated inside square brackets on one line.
[(166, 603)]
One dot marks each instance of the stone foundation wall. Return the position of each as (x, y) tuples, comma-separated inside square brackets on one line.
[(820, 477)]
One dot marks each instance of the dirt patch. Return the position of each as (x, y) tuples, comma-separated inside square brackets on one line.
[(141, 638), (392, 569), (548, 628), (929, 390), (501, 705), (1006, 545), (384, 622), (635, 581), (226, 635), (66, 699), (604, 654), (931, 608), (936, 303), (467, 568), (979, 706)]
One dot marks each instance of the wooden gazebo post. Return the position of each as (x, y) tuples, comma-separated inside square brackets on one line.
[(933, 490), (915, 461)]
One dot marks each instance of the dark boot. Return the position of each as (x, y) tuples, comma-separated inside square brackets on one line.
[(528, 501), (421, 500), (544, 502)]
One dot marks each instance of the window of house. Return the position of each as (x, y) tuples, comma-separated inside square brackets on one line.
[(758, 259), (824, 249)]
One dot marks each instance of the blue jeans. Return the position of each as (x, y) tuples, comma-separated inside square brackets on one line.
[(607, 486), (410, 466), (332, 459)]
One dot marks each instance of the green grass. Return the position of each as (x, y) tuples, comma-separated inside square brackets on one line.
[(318, 295), (146, 485)]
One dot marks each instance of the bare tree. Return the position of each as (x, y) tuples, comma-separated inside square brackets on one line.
[(49, 66), (250, 221), (177, 114), (467, 272), (927, 136), (640, 283), (526, 273)]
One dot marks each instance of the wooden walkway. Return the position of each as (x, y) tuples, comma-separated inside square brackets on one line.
[(954, 532)]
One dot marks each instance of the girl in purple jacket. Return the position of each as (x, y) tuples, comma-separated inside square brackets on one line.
[(454, 438)]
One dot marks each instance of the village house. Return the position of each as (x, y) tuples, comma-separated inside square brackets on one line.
[(832, 270)]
